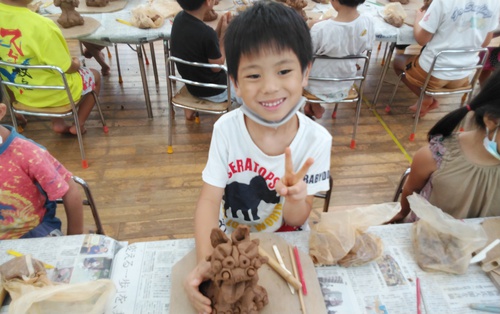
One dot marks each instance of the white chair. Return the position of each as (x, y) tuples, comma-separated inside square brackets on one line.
[(425, 91), (88, 201), (355, 96), (183, 99), (54, 112)]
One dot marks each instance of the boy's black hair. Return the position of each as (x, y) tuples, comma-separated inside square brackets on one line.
[(266, 25), (486, 103), (351, 3), (190, 5)]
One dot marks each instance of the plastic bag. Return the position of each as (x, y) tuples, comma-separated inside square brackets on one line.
[(145, 16), (26, 281), (339, 235), (441, 242)]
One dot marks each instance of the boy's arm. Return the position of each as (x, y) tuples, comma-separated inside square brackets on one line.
[(421, 35), (75, 65), (74, 209), (487, 40), (422, 167), (206, 218), (221, 32)]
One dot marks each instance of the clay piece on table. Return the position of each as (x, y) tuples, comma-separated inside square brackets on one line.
[(69, 16), (298, 5), (400, 1), (394, 14), (233, 285), (96, 3), (210, 16)]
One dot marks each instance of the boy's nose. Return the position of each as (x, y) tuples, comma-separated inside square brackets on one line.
[(270, 84)]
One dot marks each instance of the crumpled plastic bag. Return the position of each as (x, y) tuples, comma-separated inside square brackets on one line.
[(394, 14), (25, 279), (339, 237), (145, 16), (441, 242)]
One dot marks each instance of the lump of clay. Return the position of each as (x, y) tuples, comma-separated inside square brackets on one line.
[(96, 3), (69, 16), (233, 287), (210, 16), (400, 1), (394, 14), (298, 5)]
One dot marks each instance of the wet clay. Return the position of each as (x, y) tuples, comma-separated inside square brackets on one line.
[(69, 16), (233, 287)]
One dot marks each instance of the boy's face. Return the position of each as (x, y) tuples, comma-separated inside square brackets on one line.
[(271, 83)]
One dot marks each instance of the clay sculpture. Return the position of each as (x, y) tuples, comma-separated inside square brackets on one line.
[(96, 3), (69, 16), (234, 263)]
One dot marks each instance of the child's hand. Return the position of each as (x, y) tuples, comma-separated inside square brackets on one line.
[(292, 183), (223, 23), (201, 303)]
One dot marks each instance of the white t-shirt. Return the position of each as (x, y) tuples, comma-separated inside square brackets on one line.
[(249, 176), (338, 39), (457, 24)]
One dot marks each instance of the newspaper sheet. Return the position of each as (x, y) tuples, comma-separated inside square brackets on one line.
[(380, 286)]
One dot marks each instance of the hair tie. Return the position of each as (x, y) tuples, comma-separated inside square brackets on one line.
[(468, 107)]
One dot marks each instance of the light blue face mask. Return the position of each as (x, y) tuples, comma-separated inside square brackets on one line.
[(491, 145), (272, 124)]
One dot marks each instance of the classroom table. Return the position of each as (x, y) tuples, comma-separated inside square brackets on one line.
[(142, 273), (112, 32)]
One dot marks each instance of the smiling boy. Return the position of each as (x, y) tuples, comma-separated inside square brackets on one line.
[(266, 159)]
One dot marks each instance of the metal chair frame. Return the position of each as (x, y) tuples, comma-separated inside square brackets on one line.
[(89, 201), (365, 57), (326, 195), (444, 91), (48, 112), (183, 99)]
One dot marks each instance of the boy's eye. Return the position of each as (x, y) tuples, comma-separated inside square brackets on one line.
[(253, 76), (283, 72)]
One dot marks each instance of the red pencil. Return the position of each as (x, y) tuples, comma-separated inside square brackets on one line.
[(299, 268)]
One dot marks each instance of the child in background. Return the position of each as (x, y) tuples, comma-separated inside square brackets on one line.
[(31, 39), (439, 170), (349, 33), (193, 40), (30, 182), (95, 51), (266, 159), (458, 24)]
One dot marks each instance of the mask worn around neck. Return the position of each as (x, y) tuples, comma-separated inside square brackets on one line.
[(272, 124), (491, 145)]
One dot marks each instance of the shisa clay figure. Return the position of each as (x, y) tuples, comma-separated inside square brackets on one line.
[(69, 16), (234, 263), (211, 15), (96, 3)]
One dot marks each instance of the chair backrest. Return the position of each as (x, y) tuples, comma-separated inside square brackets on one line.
[(11, 68), (363, 58), (399, 188), (326, 195), (453, 53), (88, 201), (174, 76)]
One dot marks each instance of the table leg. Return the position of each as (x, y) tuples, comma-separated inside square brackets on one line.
[(384, 71), (140, 58), (155, 69), (120, 80)]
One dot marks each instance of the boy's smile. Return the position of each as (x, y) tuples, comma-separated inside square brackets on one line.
[(271, 83)]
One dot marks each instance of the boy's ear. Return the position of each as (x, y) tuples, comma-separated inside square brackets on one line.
[(307, 71)]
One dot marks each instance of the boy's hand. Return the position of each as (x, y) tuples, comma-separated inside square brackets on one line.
[(201, 303), (292, 183)]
